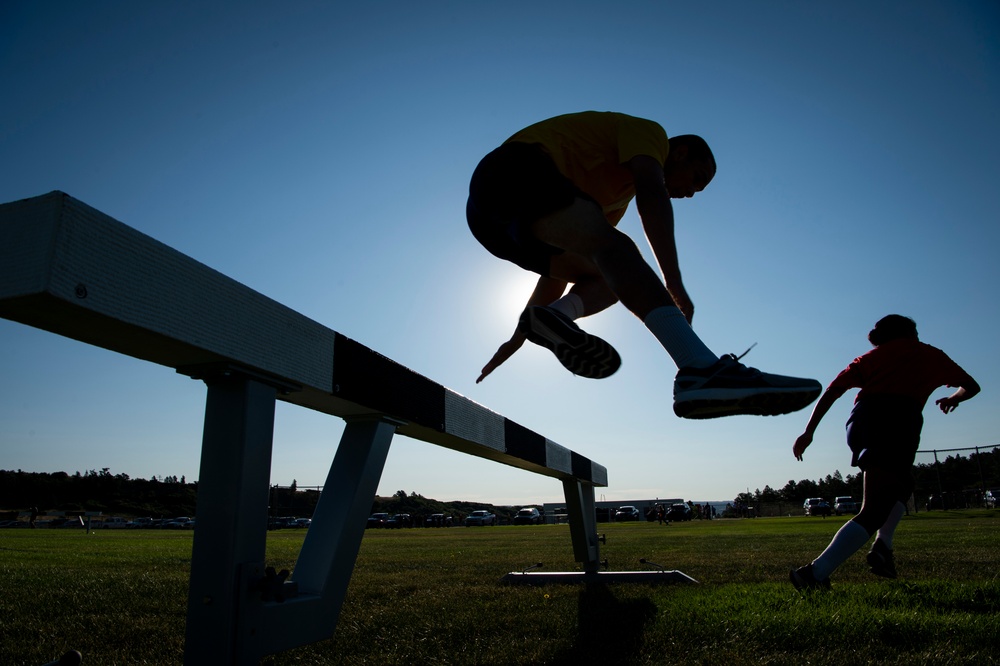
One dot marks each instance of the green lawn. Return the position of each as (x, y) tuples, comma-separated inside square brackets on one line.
[(431, 596)]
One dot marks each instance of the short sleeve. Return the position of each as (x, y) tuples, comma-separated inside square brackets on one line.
[(637, 136)]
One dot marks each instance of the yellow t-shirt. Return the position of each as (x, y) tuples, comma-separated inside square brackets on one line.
[(592, 148)]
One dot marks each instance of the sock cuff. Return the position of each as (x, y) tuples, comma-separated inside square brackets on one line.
[(570, 305), (669, 325), (662, 313)]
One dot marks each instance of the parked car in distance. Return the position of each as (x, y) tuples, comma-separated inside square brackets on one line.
[(281, 522), (678, 512), (303, 522), (816, 506), (844, 504), (529, 515), (438, 520), (377, 520), (627, 513), (14, 523), (480, 517), (400, 520), (179, 523), (114, 523)]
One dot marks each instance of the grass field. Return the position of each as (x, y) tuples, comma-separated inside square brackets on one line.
[(431, 596)]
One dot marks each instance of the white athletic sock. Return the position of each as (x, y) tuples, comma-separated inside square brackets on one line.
[(570, 305), (885, 532), (669, 326), (845, 543)]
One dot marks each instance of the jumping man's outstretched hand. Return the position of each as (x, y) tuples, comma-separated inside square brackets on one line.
[(505, 351), (546, 290)]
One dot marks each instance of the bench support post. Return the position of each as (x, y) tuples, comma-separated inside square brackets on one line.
[(330, 550), (236, 615), (580, 507), (231, 522), (582, 523)]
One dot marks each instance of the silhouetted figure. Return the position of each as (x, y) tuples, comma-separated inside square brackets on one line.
[(549, 200), (883, 432)]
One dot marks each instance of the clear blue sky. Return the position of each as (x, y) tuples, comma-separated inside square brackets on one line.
[(320, 153)]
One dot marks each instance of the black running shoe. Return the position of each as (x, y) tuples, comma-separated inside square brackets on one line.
[(803, 579), (581, 353), (881, 560), (728, 388)]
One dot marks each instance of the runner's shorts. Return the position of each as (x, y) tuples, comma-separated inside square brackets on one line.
[(884, 431), (512, 187)]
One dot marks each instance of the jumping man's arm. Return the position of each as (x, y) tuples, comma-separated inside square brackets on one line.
[(546, 290), (657, 214)]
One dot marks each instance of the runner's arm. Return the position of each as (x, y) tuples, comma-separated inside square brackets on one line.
[(823, 405), (968, 389)]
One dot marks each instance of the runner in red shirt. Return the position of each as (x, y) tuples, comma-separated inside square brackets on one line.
[(883, 432)]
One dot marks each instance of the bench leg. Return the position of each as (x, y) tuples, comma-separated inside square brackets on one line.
[(319, 581), (231, 523), (332, 542), (582, 523), (326, 560)]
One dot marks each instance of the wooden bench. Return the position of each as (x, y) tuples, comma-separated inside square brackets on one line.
[(72, 270)]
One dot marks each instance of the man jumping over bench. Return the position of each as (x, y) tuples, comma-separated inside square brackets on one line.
[(549, 200)]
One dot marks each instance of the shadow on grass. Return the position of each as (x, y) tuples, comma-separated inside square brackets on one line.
[(609, 630)]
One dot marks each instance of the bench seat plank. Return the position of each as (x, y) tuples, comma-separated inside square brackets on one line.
[(68, 268)]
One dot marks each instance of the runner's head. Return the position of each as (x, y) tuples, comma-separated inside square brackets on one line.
[(892, 327)]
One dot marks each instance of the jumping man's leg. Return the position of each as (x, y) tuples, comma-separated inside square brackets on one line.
[(588, 296), (592, 245), (706, 386)]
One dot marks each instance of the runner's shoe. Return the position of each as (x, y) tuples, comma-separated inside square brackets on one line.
[(728, 388), (881, 561), (581, 353), (803, 579)]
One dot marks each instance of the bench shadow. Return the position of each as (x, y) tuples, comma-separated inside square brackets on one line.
[(610, 631)]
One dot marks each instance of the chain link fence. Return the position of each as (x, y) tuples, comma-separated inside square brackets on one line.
[(965, 478)]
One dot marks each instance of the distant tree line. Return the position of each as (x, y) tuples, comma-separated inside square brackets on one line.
[(959, 479), (98, 490), (294, 501), (164, 497), (169, 496)]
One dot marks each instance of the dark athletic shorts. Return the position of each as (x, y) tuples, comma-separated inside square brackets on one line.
[(512, 187), (884, 431)]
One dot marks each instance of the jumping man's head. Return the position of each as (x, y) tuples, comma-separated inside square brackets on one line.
[(690, 166)]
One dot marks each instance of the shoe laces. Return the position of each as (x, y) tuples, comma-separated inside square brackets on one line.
[(747, 351), (735, 358)]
